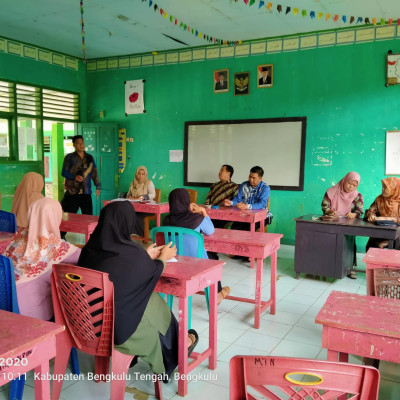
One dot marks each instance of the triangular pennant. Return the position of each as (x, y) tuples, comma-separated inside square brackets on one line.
[(359, 20), (287, 10), (390, 21), (180, 26), (166, 15), (197, 33), (367, 20), (312, 14), (252, 2), (176, 21), (328, 16), (161, 11), (398, 21), (295, 11), (382, 21), (200, 34), (344, 18), (279, 8), (269, 6), (246, 2), (374, 21), (171, 18), (150, 3), (303, 13), (351, 19), (336, 17), (320, 15), (260, 4), (155, 7)]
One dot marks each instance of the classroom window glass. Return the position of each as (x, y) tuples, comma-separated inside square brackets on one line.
[(27, 139), (4, 138)]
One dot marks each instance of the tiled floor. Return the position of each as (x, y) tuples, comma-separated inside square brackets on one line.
[(291, 332)]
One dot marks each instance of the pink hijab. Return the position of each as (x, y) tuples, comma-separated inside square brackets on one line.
[(29, 190), (36, 248), (340, 200)]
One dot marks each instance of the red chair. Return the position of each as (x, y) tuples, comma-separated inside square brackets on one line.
[(83, 301), (296, 378)]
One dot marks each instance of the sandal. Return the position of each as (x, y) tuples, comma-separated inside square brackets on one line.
[(352, 275), (223, 294), (194, 344)]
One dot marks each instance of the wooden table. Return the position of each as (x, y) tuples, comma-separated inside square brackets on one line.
[(367, 326), (146, 207), (79, 223), (379, 258), (258, 245), (326, 248), (183, 279), (236, 215), (5, 240), (27, 343)]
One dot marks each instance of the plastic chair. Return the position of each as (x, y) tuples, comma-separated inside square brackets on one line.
[(192, 195), (9, 302), (152, 217), (8, 222), (165, 234), (277, 378), (268, 219), (83, 301)]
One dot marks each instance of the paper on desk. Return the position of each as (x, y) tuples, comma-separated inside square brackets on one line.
[(172, 260)]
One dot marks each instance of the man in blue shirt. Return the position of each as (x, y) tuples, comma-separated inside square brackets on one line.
[(252, 194), (79, 169)]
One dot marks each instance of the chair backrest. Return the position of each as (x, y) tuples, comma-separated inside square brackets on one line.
[(8, 292), (165, 234), (276, 378), (157, 199), (387, 282), (192, 195), (8, 222), (83, 300)]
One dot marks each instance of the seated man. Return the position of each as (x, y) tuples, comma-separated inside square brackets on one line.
[(219, 191), (253, 194)]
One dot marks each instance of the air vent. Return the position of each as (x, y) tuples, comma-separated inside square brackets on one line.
[(7, 101), (60, 105), (28, 100)]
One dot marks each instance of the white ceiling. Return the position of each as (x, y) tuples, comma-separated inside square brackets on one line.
[(119, 27)]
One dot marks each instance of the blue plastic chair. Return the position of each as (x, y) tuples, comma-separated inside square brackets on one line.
[(8, 222), (166, 234), (9, 302)]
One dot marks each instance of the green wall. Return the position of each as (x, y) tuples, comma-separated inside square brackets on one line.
[(28, 71), (339, 89)]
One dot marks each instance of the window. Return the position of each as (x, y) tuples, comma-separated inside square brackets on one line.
[(27, 139), (4, 138)]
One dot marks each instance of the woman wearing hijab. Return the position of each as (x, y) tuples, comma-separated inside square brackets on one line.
[(29, 190), (143, 325), (386, 206), (343, 199), (142, 188), (184, 214), (33, 251)]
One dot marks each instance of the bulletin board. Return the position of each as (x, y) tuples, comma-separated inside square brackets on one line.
[(392, 153)]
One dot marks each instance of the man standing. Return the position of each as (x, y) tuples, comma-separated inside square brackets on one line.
[(253, 194), (79, 169)]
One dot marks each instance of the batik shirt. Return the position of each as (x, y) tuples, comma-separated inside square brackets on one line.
[(75, 165), (220, 191), (357, 206), (255, 198)]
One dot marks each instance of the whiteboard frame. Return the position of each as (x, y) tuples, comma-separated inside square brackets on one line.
[(303, 120), (392, 141)]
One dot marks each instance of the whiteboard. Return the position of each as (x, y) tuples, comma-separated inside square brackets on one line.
[(392, 153), (275, 144)]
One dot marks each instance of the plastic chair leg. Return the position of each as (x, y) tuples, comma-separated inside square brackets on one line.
[(190, 312), (74, 361), (17, 388), (102, 366)]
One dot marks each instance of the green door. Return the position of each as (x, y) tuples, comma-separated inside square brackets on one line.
[(101, 141)]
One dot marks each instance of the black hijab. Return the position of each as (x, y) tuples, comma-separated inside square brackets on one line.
[(132, 271), (180, 215)]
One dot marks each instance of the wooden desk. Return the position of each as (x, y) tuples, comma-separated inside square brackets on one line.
[(326, 248), (28, 341), (5, 240), (367, 326), (250, 244), (151, 208), (379, 258), (79, 223), (183, 279), (236, 215)]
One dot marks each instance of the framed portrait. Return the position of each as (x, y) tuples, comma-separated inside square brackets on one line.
[(242, 83), (264, 75), (221, 81)]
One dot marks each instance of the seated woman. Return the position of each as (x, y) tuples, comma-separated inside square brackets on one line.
[(343, 199), (29, 190), (143, 325), (184, 214), (142, 188), (33, 251), (386, 206)]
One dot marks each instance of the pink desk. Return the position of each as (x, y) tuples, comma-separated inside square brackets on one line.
[(151, 208), (27, 343), (5, 240), (367, 326), (255, 245), (183, 279), (236, 215), (379, 258), (79, 223)]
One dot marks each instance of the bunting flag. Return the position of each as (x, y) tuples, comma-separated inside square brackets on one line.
[(83, 33)]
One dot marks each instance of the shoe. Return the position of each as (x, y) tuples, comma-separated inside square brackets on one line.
[(352, 275), (194, 344), (223, 293)]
